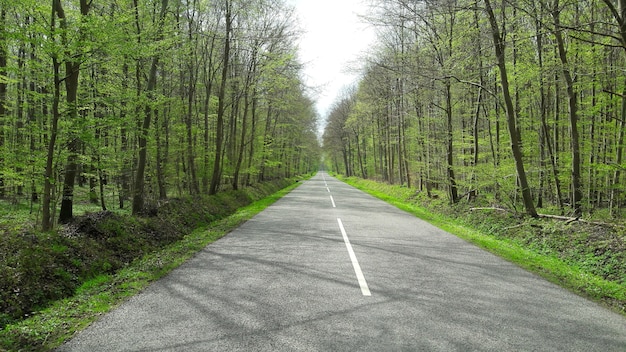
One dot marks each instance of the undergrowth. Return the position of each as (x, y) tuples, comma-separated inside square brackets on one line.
[(38, 269)]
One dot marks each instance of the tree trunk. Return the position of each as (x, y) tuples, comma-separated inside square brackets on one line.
[(138, 191), (573, 115), (267, 142), (191, 95), (221, 106), (208, 90), (619, 14), (252, 136), (454, 193), (72, 72), (545, 140), (499, 47), (617, 189), (46, 218), (242, 142), (3, 90), (159, 154)]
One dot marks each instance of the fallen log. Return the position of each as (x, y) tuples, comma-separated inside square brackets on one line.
[(569, 220), (490, 208)]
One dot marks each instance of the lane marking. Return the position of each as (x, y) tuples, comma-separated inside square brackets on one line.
[(328, 189), (333, 201), (355, 263)]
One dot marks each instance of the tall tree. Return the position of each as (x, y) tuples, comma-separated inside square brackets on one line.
[(46, 219), (73, 61), (3, 88), (619, 16), (221, 108), (499, 44), (573, 111), (138, 196)]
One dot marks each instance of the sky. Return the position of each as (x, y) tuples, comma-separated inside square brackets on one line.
[(334, 39)]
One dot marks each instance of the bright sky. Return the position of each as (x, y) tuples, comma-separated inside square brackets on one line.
[(334, 40)]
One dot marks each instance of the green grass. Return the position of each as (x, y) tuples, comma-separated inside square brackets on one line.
[(571, 276), (52, 326)]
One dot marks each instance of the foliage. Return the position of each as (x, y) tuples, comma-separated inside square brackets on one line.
[(123, 96), (517, 103)]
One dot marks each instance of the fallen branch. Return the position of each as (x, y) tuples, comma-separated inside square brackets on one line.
[(568, 220), (492, 208)]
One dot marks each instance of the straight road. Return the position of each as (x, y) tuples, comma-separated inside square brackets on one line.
[(330, 268)]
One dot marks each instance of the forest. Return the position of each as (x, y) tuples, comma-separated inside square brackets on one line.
[(520, 104), (192, 109), (136, 101)]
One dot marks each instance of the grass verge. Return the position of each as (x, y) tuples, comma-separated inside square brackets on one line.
[(567, 274), (52, 326)]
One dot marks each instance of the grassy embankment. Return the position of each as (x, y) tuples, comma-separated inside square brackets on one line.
[(588, 259), (54, 284)]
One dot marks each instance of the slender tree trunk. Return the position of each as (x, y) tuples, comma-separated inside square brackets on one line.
[(124, 184), (208, 91), (72, 72), (3, 90), (267, 141), (252, 136), (46, 219), (193, 69), (205, 171), (221, 108), (499, 47), (138, 191), (252, 67), (454, 193), (619, 14), (545, 140), (242, 143), (617, 189), (573, 115), (32, 123), (159, 153), (193, 187)]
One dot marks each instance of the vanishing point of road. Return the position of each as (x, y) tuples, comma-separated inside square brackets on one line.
[(330, 268)]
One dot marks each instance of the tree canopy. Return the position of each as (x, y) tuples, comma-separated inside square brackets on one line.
[(148, 99), (523, 103)]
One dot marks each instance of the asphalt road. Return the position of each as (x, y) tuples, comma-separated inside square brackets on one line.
[(330, 268)]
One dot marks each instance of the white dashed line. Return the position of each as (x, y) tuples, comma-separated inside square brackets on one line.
[(355, 263)]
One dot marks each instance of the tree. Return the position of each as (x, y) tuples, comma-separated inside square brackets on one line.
[(619, 16), (573, 112), (73, 60), (499, 47), (48, 176), (3, 88), (138, 196), (219, 140)]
